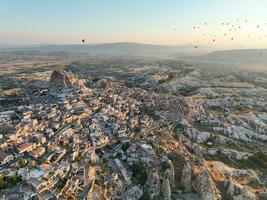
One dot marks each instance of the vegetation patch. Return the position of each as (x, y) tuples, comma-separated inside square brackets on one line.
[(62, 183), (140, 172), (9, 181), (125, 146)]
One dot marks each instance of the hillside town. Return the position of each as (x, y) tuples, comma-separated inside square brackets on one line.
[(110, 141)]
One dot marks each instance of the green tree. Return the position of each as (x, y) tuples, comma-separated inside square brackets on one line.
[(140, 172)]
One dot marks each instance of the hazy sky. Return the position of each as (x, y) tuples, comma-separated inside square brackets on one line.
[(146, 21)]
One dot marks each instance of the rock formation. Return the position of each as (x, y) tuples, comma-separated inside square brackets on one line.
[(205, 187), (198, 136), (153, 185), (94, 158), (186, 177), (235, 191), (166, 189), (62, 81), (231, 188), (263, 195), (105, 83), (197, 149), (170, 174)]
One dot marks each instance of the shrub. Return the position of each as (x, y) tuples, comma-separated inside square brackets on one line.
[(137, 129), (125, 146), (61, 183), (104, 160), (22, 162)]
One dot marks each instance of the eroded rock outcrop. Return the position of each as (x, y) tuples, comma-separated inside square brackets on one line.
[(235, 191), (170, 174), (263, 195), (205, 187), (198, 136), (231, 188), (166, 189), (186, 177), (197, 149), (153, 185)]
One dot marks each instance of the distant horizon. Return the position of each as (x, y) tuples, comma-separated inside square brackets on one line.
[(212, 48)]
